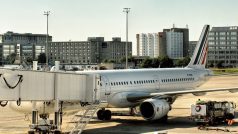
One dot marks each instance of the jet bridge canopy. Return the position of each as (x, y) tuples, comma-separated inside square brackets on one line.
[(46, 86)]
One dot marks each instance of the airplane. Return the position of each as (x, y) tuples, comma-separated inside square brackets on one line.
[(153, 90)]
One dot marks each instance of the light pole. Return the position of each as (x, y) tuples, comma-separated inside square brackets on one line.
[(47, 13), (126, 10)]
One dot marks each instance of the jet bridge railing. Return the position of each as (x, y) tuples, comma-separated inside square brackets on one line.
[(47, 86)]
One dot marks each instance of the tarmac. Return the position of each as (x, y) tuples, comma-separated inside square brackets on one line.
[(178, 123)]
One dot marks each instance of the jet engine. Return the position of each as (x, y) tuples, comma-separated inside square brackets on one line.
[(154, 109)]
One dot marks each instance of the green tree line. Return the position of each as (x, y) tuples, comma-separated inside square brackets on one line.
[(164, 62)]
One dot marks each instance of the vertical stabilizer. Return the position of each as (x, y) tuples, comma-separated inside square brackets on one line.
[(199, 57)]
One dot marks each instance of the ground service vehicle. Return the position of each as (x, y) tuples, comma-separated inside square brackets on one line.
[(212, 112)]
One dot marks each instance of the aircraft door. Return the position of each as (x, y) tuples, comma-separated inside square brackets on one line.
[(157, 82), (105, 85)]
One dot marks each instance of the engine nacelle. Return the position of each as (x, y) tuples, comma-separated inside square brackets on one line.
[(154, 109), (120, 100)]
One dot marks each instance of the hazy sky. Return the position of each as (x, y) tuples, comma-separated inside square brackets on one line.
[(78, 19)]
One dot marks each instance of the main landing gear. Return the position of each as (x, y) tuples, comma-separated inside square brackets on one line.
[(103, 114)]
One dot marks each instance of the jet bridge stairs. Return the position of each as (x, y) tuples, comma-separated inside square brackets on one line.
[(82, 118)]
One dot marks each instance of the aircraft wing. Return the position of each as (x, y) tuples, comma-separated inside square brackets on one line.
[(133, 97)]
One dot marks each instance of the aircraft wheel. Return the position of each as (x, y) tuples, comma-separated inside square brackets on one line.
[(107, 115), (212, 122), (230, 116), (3, 103), (100, 114)]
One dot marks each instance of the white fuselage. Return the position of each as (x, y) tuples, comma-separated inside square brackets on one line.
[(151, 80), (146, 81)]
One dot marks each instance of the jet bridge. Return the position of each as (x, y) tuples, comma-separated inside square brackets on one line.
[(57, 87), (47, 86)]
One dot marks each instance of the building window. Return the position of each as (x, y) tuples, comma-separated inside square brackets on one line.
[(211, 43), (222, 33), (222, 42), (233, 43), (222, 38), (233, 33), (211, 38)]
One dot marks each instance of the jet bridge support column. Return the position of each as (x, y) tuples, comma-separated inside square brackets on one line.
[(57, 124), (34, 110), (57, 103), (34, 113)]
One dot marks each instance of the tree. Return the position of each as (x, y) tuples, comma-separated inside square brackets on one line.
[(150, 63), (166, 62), (155, 62), (111, 61), (210, 65), (123, 59), (219, 64), (29, 60), (75, 69), (102, 68), (10, 59), (183, 62), (146, 63), (131, 59), (105, 61), (186, 60), (42, 58)]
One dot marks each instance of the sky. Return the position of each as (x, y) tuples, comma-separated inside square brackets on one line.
[(76, 20)]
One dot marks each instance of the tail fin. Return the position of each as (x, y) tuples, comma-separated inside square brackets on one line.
[(199, 57)]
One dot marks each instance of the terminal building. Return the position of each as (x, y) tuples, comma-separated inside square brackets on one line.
[(223, 46), (178, 41), (173, 42), (148, 44), (191, 47), (93, 51), (26, 46)]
